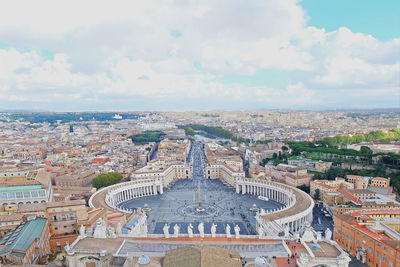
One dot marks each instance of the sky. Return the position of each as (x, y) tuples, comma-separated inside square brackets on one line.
[(199, 55)]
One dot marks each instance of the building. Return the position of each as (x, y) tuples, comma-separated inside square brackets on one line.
[(371, 235), (224, 173), (360, 182), (311, 250), (9, 222), (31, 187), (79, 178), (329, 189), (311, 165), (26, 244), (289, 174), (168, 174), (380, 182)]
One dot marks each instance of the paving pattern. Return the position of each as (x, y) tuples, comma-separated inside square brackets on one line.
[(223, 205)]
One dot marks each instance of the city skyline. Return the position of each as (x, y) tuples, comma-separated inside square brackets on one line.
[(235, 55)]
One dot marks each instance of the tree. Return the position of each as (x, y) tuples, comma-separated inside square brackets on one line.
[(317, 194), (285, 148), (189, 131), (304, 188), (366, 150), (106, 179)]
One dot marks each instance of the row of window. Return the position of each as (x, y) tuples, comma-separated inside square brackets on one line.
[(63, 217), (23, 194)]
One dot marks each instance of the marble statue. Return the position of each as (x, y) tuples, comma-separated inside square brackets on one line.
[(237, 231), (319, 236), (67, 246), (260, 231), (328, 234), (213, 230), (287, 229), (201, 229), (166, 230), (118, 229), (228, 231), (82, 231), (176, 230), (100, 229), (190, 230)]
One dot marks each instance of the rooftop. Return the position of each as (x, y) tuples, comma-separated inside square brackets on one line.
[(23, 236), (323, 250)]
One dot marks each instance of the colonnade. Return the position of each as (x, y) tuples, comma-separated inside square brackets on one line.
[(297, 210), (266, 190), (120, 195)]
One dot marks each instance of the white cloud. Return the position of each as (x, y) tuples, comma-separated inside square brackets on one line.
[(125, 51)]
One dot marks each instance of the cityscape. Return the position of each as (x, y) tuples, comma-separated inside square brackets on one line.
[(200, 134)]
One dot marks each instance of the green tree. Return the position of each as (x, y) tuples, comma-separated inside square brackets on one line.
[(106, 179), (317, 194), (304, 188), (366, 150)]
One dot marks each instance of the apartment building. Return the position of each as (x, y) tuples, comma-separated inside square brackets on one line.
[(329, 189), (360, 182), (380, 182), (370, 235), (79, 178), (289, 174)]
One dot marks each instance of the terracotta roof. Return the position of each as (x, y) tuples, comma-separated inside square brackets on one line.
[(346, 217), (350, 197), (393, 211), (207, 256)]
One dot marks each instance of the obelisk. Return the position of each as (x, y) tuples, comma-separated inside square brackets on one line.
[(200, 207)]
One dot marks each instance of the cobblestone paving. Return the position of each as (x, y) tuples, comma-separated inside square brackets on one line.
[(223, 205)]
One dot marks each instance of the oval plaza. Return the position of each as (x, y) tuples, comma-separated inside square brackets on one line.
[(189, 194)]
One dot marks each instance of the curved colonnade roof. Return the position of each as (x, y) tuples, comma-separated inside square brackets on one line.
[(303, 201)]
